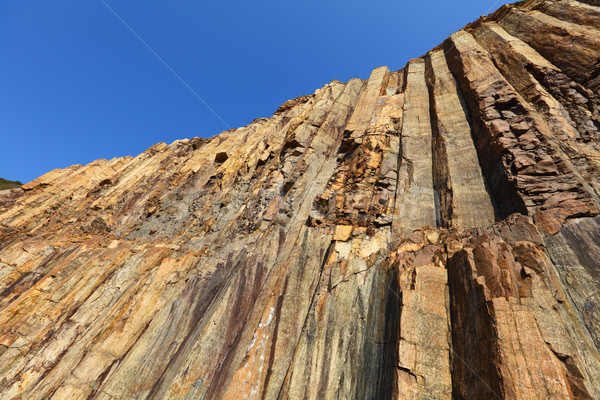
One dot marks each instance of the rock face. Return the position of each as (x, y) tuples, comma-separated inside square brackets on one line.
[(430, 233)]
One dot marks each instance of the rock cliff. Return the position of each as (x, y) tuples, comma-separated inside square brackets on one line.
[(430, 233)]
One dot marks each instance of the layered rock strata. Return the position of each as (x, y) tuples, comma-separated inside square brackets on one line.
[(430, 233)]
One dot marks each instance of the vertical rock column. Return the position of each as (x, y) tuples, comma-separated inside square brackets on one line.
[(424, 341), (464, 200), (363, 113), (415, 204)]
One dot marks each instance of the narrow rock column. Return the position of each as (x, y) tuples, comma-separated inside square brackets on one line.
[(425, 338), (376, 86), (464, 201), (415, 204)]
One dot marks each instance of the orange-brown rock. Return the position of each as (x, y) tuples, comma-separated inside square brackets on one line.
[(429, 233)]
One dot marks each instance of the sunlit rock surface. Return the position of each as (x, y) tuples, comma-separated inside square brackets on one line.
[(430, 233)]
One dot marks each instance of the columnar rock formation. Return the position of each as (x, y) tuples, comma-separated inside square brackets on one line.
[(430, 233)]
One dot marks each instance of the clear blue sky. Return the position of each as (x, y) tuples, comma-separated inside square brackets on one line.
[(76, 85)]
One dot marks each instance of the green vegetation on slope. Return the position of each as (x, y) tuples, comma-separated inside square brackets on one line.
[(4, 184)]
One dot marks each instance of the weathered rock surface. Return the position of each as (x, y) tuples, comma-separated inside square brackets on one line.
[(430, 233)]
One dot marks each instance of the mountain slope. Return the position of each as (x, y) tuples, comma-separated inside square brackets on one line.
[(5, 184), (428, 233)]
